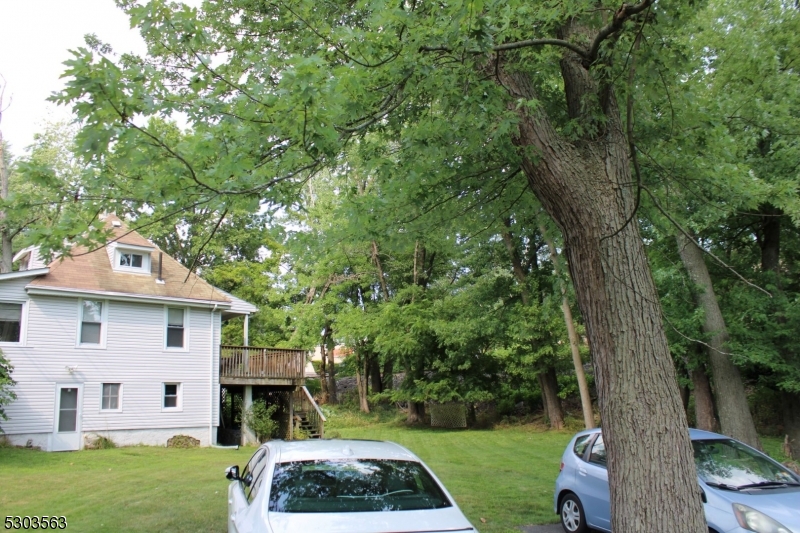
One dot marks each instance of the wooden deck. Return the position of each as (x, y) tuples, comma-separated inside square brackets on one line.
[(251, 365)]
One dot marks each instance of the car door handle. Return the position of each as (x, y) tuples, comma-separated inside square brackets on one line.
[(581, 471)]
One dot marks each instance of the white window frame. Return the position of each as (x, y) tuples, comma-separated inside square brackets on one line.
[(103, 325), (23, 322), (121, 249), (185, 347), (119, 398), (178, 395)]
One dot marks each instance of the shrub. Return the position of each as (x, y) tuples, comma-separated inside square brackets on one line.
[(183, 441), (6, 383), (259, 419), (98, 442)]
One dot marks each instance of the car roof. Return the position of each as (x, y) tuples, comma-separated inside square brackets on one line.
[(699, 434), (309, 450), (694, 434)]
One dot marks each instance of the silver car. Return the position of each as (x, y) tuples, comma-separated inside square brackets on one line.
[(343, 486)]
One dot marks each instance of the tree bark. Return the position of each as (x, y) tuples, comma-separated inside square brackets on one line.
[(375, 374), (734, 413), (703, 400), (585, 186), (548, 381)]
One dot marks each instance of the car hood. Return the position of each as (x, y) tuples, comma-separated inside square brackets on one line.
[(778, 504), (449, 520)]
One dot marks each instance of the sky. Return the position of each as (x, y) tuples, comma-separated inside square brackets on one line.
[(35, 39)]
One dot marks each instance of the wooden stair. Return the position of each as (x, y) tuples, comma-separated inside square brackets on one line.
[(303, 422)]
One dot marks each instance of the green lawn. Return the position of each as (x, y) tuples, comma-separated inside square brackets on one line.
[(504, 476)]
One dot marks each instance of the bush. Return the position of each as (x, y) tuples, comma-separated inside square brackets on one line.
[(259, 419), (6, 383), (98, 442)]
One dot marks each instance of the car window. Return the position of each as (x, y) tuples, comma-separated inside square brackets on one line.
[(248, 475), (728, 462), (353, 485), (580, 445), (258, 473), (598, 455)]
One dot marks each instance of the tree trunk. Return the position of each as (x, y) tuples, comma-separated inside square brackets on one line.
[(375, 374), (548, 381), (362, 373), (586, 187), (734, 413), (791, 422), (577, 362), (6, 253), (703, 400), (770, 244), (388, 374), (416, 413), (333, 397), (323, 372)]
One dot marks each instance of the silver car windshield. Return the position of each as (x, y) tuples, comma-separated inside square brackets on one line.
[(353, 485), (732, 465)]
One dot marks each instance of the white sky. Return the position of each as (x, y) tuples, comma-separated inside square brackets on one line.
[(35, 36)]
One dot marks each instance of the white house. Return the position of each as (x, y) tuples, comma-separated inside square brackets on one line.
[(121, 342)]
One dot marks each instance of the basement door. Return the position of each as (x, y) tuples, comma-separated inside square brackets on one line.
[(67, 432)]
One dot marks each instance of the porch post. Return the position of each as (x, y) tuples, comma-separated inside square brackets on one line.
[(247, 435), (291, 415), (246, 330)]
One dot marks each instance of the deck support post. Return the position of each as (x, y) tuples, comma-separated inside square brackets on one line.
[(247, 435), (246, 330), (291, 414)]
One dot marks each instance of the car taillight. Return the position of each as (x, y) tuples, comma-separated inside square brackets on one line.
[(562, 466)]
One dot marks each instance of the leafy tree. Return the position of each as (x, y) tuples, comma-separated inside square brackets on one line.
[(499, 90)]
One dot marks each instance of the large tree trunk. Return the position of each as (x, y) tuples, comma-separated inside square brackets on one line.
[(548, 382), (703, 400), (586, 187), (734, 413), (362, 367)]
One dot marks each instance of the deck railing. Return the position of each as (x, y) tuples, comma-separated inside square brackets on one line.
[(255, 362)]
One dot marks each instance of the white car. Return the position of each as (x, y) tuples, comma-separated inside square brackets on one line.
[(341, 486)]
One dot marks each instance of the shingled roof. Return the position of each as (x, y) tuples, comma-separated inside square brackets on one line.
[(87, 270)]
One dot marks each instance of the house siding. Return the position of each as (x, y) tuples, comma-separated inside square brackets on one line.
[(134, 355)]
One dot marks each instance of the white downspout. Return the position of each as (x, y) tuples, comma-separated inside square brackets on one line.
[(211, 381)]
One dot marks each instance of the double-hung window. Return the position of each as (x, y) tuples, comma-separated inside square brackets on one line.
[(91, 322), (111, 395), (176, 318), (172, 396), (10, 322)]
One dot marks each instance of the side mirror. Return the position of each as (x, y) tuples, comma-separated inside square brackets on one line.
[(232, 473), (703, 495)]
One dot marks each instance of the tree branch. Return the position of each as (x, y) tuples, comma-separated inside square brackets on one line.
[(620, 16)]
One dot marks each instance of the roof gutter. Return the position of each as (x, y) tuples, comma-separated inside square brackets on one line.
[(108, 295)]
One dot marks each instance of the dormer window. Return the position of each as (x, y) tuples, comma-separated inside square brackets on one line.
[(130, 260)]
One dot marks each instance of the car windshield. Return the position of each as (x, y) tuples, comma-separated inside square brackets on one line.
[(353, 485), (727, 462)]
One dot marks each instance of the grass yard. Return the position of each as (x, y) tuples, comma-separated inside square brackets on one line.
[(504, 476)]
